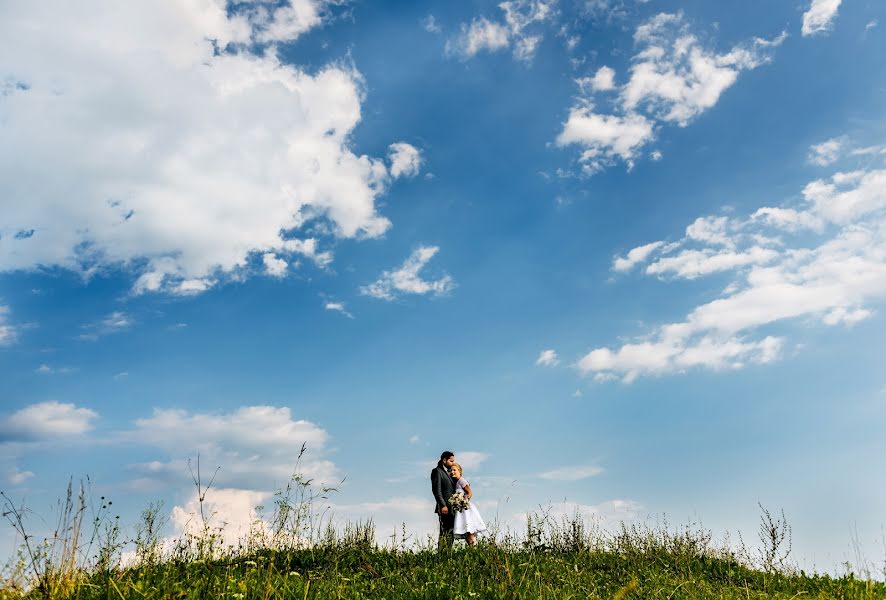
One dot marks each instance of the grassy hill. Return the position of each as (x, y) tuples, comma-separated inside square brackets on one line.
[(290, 555)]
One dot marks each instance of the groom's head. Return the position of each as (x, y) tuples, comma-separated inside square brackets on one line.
[(447, 459)]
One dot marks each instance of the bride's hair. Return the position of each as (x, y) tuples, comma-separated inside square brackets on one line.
[(458, 466)]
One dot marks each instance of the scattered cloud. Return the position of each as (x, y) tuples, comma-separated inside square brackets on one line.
[(470, 460), (430, 24), (255, 446), (819, 18), (823, 261), (185, 192), (602, 81), (547, 358), (405, 160), (275, 267), (338, 307), (827, 152), (45, 421), (115, 322), (673, 79), (518, 29), (407, 279), (414, 439), (45, 369), (637, 255), (8, 333), (121, 375), (572, 473), (16, 477)]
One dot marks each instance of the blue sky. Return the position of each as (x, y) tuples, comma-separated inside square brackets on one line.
[(623, 257)]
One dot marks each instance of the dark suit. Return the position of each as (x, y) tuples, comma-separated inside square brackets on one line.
[(443, 486)]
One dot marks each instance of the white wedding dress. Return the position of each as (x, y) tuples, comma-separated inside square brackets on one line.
[(467, 521)]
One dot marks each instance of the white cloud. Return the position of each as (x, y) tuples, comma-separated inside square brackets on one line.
[(673, 79), (115, 322), (572, 473), (338, 307), (181, 189), (406, 279), (547, 358), (255, 446), (827, 152), (470, 459), (16, 477), (602, 81), (229, 512), (275, 267), (634, 257), (45, 369), (8, 333), (605, 137), (481, 34), (519, 19), (820, 16), (690, 264), (47, 420), (430, 24), (414, 439), (829, 278), (405, 160)]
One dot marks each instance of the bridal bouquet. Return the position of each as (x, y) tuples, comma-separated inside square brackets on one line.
[(458, 502)]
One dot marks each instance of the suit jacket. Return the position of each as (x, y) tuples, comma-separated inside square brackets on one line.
[(442, 485)]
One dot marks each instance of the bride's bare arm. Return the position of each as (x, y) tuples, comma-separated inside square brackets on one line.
[(468, 491)]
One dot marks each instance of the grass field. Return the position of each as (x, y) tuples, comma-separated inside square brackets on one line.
[(294, 555)]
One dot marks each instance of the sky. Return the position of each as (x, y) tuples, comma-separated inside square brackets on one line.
[(624, 257)]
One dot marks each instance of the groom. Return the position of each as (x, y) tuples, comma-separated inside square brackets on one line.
[(443, 486)]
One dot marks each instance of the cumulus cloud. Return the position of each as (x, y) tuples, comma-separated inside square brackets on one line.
[(827, 152), (518, 29), (602, 81), (547, 358), (183, 189), (46, 421), (823, 261), (673, 79), (407, 279), (338, 307), (405, 160), (820, 16), (230, 513), (637, 255), (255, 446), (275, 267), (8, 332), (572, 473)]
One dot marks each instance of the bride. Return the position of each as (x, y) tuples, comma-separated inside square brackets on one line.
[(468, 523)]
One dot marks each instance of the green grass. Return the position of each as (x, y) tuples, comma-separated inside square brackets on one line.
[(486, 571)]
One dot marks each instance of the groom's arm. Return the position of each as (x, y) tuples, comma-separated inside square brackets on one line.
[(436, 487)]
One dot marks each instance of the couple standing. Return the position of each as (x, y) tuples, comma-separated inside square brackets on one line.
[(447, 483)]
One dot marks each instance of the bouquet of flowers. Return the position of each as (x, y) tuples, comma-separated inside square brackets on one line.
[(458, 502)]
